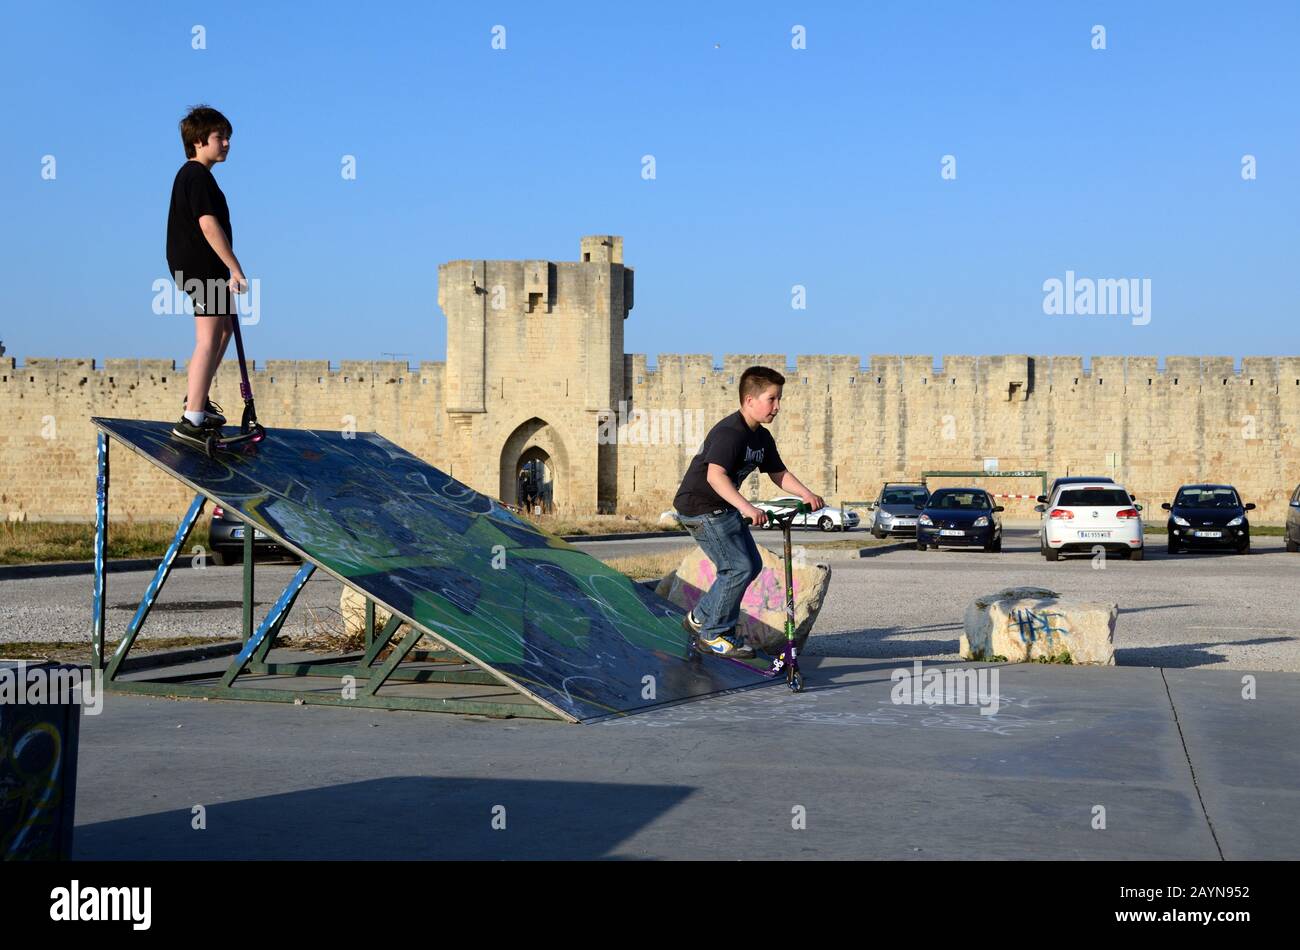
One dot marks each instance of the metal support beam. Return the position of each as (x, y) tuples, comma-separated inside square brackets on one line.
[(248, 582), (464, 673), (377, 679), (151, 592), (381, 641), (1034, 473), (101, 545), (260, 642)]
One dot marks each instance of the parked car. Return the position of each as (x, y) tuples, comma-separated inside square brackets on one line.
[(828, 519), (1080, 517), (1293, 522), (894, 510), (1074, 480), (1208, 516), (226, 535), (959, 516)]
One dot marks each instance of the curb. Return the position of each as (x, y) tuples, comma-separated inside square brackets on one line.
[(636, 536), (883, 549), (10, 572)]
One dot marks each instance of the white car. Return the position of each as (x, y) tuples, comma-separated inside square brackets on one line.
[(828, 519), (1081, 517)]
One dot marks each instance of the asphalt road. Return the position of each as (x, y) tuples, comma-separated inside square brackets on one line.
[(1213, 610)]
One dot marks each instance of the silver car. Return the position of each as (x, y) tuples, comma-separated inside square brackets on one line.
[(895, 510)]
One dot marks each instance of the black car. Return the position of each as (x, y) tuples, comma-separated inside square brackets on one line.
[(226, 535), (1293, 522), (1208, 516), (959, 516)]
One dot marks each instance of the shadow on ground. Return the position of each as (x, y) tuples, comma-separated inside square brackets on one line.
[(884, 642), (411, 818), (1184, 655)]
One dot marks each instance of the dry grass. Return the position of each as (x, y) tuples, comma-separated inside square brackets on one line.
[(325, 632), (78, 651), (23, 542), (645, 566), (597, 524)]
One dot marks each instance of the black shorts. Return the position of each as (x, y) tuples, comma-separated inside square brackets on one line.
[(211, 297)]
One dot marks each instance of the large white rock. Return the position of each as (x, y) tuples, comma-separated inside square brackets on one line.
[(762, 609), (1029, 623)]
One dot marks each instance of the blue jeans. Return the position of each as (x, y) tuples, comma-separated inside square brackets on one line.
[(731, 548)]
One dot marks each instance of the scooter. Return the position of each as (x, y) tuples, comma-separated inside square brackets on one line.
[(787, 661), (251, 431), (788, 658)]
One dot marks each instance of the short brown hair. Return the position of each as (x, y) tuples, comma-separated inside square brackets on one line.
[(199, 124), (756, 379)]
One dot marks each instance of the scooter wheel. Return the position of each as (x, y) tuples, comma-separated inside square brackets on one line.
[(795, 681)]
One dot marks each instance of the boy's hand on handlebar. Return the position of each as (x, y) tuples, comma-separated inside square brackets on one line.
[(815, 502), (757, 515)]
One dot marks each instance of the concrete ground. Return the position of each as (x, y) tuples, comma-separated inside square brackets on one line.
[(1078, 763)]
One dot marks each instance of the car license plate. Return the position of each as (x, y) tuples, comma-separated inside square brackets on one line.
[(1208, 534), (905, 522), (949, 532), (239, 533), (1093, 535)]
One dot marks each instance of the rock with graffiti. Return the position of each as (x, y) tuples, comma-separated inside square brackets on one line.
[(762, 610), (38, 766), (1020, 624)]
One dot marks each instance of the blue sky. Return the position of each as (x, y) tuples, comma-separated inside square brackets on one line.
[(775, 167)]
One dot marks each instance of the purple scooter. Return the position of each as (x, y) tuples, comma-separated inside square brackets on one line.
[(787, 661), (788, 658), (251, 431)]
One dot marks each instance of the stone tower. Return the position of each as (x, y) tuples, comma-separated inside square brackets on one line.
[(534, 368)]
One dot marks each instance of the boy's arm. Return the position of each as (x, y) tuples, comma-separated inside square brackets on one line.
[(216, 235), (721, 483), (786, 481)]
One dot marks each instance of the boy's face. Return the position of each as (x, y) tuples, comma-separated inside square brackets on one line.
[(765, 405), (215, 149)]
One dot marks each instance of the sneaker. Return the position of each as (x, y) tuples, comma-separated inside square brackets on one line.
[(189, 432), (213, 411), (691, 625), (728, 645)]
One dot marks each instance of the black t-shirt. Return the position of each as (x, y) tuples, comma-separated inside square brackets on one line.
[(194, 194), (738, 449)]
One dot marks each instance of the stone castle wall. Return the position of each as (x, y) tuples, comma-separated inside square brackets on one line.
[(844, 427)]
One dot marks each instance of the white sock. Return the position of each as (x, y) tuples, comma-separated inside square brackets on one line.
[(196, 418)]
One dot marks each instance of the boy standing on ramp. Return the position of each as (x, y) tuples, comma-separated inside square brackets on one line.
[(203, 263), (711, 508)]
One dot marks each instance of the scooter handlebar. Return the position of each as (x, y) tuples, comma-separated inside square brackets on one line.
[(785, 513)]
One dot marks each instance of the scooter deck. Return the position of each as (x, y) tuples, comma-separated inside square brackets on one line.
[(760, 662)]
